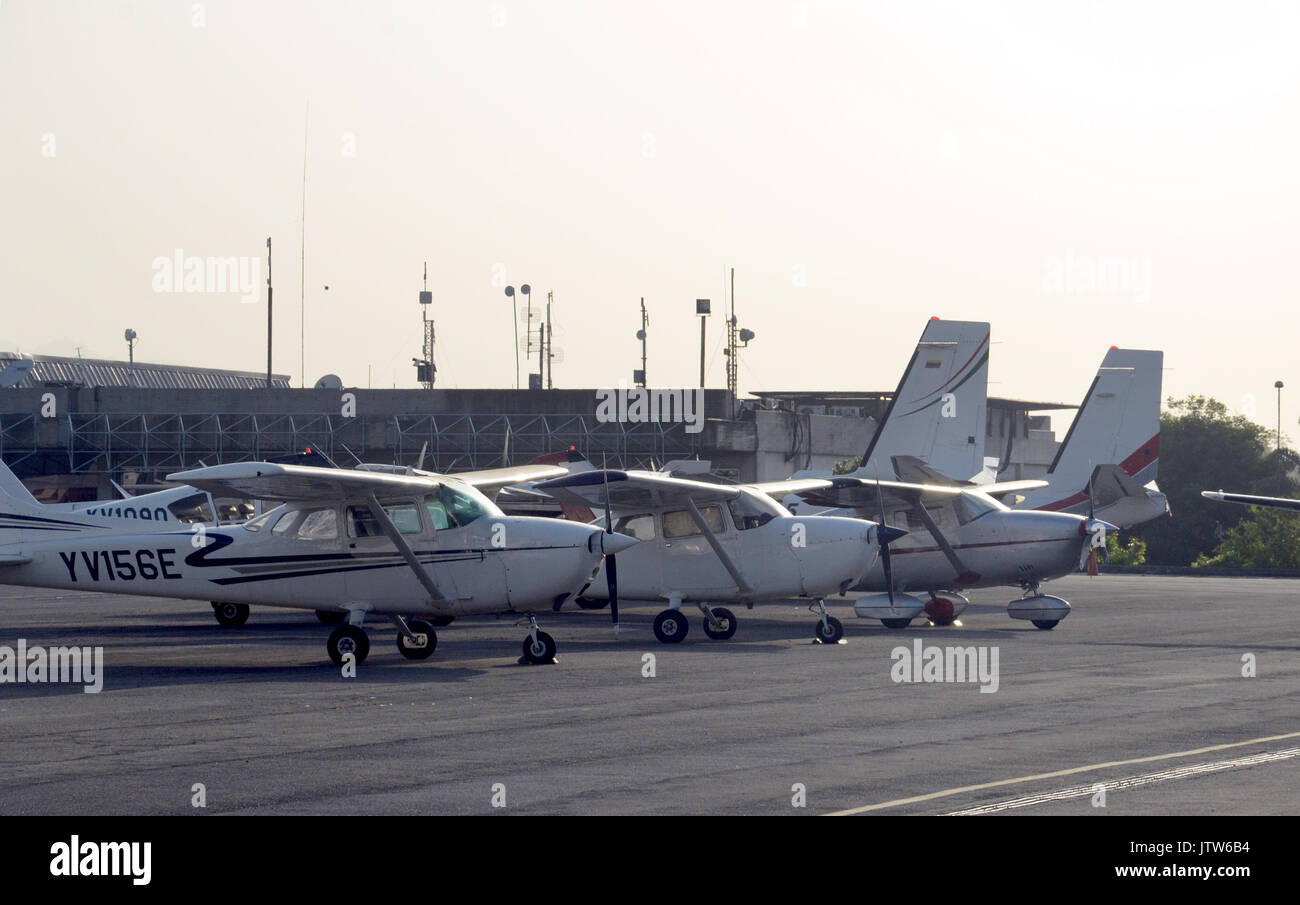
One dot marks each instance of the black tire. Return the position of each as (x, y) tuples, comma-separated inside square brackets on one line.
[(441, 621), (728, 621), (348, 639), (588, 604), (540, 651), (418, 627), (831, 632), (331, 617), (671, 627), (1045, 624), (896, 623), (231, 615)]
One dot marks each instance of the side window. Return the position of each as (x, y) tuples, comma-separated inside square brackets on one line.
[(679, 523), (404, 515), (321, 524), (747, 514), (283, 525), (642, 527)]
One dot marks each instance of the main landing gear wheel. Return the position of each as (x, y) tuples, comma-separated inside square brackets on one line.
[(1045, 624), (539, 650), (230, 614), (348, 639), (440, 621), (671, 627), (411, 652), (331, 617), (831, 631), (726, 624), (896, 623)]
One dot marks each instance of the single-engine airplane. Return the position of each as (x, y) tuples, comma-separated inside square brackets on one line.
[(361, 542), (959, 538), (707, 544)]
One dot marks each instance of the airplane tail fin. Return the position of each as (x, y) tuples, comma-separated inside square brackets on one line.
[(13, 491), (1117, 424), (939, 410)]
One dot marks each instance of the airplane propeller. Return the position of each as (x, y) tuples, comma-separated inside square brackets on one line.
[(1094, 527), (885, 535)]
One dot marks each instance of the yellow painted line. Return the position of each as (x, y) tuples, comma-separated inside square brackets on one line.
[(947, 793)]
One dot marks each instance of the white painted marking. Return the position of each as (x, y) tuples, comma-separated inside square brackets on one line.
[(1019, 780)]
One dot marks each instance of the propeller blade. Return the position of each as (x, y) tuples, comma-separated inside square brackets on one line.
[(611, 567), (884, 542)]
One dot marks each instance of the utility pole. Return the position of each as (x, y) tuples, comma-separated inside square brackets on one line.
[(702, 311), (641, 335), (268, 312), (550, 365)]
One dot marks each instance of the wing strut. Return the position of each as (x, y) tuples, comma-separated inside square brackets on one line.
[(391, 532), (744, 586), (964, 575)]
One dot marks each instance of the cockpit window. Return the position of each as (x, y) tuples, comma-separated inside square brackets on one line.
[(679, 523), (191, 509), (970, 506), (642, 527), (319, 524), (751, 510), (405, 517), (461, 505)]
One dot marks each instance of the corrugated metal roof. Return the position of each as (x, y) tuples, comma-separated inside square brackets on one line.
[(54, 371)]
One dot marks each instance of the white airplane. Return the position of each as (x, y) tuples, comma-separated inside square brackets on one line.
[(939, 411), (1108, 462), (708, 544), (960, 538), (361, 542)]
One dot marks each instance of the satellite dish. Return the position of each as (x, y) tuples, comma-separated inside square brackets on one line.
[(329, 382), (17, 372)]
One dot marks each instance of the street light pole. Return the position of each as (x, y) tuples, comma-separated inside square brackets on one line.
[(702, 309), (1278, 387), (514, 306)]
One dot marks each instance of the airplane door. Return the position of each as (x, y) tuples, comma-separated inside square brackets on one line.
[(689, 563), (389, 576)]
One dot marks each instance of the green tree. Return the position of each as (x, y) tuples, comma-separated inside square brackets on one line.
[(847, 466), (1133, 553), (1264, 539), (1203, 447)]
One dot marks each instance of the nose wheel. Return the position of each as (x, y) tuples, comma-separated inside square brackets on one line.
[(348, 639), (230, 615), (829, 630), (539, 647), (671, 627)]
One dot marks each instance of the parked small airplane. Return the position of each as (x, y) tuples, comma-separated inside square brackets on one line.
[(360, 542), (707, 544), (974, 541)]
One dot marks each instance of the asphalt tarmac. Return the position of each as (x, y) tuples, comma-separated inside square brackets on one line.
[(1135, 704)]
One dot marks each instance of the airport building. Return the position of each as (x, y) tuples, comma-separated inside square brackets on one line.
[(69, 426)]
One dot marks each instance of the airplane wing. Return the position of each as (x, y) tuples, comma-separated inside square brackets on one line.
[(778, 490), (999, 489), (302, 483), (848, 492), (1247, 500), (491, 480), (629, 490)]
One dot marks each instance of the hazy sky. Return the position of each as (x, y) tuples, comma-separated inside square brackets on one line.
[(1079, 174)]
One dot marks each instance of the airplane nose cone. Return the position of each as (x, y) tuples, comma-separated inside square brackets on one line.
[(887, 535), (610, 542)]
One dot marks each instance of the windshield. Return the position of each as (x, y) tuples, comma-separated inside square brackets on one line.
[(455, 506), (970, 506)]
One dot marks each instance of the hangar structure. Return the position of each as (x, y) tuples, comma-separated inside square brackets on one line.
[(71, 426)]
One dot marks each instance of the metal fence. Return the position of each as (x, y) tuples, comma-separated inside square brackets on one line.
[(102, 443)]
